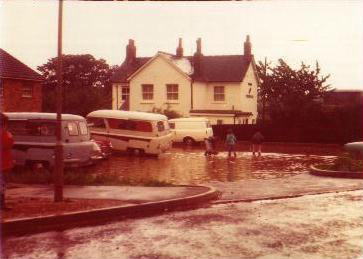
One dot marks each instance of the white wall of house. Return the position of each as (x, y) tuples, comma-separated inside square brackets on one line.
[(160, 72), (249, 99), (237, 96)]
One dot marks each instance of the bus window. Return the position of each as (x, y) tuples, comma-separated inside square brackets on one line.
[(118, 124), (96, 122), (143, 126)]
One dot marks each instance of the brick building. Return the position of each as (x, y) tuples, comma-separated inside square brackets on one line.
[(20, 86)]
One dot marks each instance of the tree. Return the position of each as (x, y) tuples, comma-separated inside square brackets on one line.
[(86, 84), (291, 95)]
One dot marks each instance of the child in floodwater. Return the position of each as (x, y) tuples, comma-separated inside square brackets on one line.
[(210, 146)]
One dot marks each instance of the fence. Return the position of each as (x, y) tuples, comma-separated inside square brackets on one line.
[(306, 134)]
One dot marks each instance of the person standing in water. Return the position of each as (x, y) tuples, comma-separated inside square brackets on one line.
[(231, 143), (257, 140)]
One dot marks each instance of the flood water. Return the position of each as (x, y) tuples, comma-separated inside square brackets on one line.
[(190, 166)]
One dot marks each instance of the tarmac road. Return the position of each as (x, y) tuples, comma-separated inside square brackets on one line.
[(312, 226)]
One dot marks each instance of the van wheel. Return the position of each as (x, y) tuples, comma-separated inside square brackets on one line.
[(188, 141)]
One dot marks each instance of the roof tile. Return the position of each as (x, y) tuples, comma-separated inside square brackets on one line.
[(10, 67)]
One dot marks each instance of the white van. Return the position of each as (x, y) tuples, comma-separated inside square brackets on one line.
[(190, 130), (131, 131), (35, 139)]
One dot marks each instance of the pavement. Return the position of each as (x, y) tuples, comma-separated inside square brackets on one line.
[(144, 201)]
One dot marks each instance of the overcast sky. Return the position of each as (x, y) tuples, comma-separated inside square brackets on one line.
[(330, 32)]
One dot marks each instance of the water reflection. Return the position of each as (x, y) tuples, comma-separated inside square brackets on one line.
[(190, 166)]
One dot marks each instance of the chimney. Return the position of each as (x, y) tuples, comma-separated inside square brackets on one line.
[(179, 50), (130, 52), (247, 47), (197, 59), (199, 47)]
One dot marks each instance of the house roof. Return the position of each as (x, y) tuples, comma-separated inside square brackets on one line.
[(125, 70), (226, 68), (10, 67)]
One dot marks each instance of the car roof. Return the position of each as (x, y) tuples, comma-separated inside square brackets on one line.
[(117, 114), (40, 116)]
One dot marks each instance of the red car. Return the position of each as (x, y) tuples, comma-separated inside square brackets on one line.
[(105, 146)]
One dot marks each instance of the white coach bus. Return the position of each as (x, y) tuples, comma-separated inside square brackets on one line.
[(131, 131)]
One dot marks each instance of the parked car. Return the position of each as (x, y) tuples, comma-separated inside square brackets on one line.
[(105, 148), (131, 131), (355, 149), (35, 139), (190, 130)]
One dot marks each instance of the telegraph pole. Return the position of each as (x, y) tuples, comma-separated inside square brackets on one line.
[(58, 168)]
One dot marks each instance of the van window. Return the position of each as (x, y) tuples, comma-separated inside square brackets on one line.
[(72, 129), (160, 126), (32, 128), (83, 128), (172, 125), (96, 122)]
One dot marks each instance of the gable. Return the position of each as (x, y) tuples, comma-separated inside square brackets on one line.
[(10, 67), (164, 58)]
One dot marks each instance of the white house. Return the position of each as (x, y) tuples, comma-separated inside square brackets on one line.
[(221, 88)]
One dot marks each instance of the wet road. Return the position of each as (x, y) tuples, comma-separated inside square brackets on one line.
[(180, 166), (315, 227)]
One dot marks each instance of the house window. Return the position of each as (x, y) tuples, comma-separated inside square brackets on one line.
[(27, 90), (172, 92), (147, 92), (219, 93), (125, 93)]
